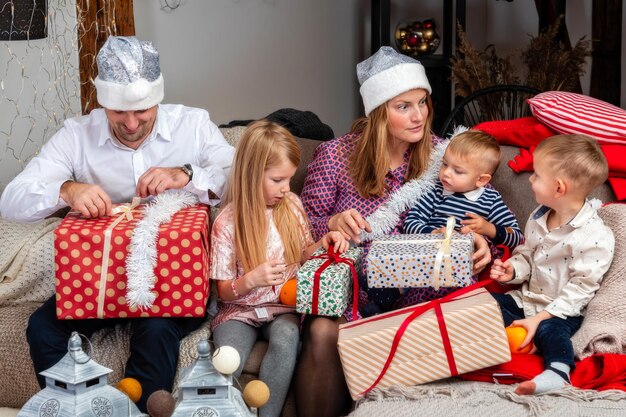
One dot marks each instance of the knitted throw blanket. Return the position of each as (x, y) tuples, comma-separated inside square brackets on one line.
[(451, 397), (26, 261), (604, 327)]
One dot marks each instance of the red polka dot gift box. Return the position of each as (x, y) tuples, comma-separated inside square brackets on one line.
[(91, 271)]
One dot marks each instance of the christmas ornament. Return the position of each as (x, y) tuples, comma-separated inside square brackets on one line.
[(160, 404), (130, 387), (417, 37), (256, 393), (226, 359)]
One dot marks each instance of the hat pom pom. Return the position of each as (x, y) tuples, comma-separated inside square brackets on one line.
[(138, 90)]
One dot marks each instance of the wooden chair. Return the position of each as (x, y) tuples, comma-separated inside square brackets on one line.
[(500, 102)]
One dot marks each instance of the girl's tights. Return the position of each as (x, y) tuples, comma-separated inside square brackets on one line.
[(279, 361)]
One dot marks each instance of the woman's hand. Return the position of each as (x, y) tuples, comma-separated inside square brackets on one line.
[(349, 223), (482, 255), (337, 240)]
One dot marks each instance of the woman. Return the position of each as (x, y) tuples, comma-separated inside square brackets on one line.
[(350, 178)]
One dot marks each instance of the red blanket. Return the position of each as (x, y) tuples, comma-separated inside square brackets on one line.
[(527, 132), (600, 371)]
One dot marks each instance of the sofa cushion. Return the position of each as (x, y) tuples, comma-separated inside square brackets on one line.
[(523, 132), (567, 112)]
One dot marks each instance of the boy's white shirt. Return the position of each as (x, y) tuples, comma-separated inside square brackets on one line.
[(561, 269)]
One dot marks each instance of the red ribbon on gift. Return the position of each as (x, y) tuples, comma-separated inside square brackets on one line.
[(418, 311), (334, 258)]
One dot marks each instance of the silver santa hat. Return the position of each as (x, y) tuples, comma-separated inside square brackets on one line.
[(387, 74), (129, 75)]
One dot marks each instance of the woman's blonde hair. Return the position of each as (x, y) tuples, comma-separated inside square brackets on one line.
[(369, 163), (264, 144)]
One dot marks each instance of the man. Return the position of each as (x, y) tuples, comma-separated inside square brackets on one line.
[(134, 146)]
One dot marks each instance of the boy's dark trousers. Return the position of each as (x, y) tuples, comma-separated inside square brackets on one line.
[(553, 335)]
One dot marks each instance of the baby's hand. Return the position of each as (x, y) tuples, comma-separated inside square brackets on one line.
[(441, 230), (337, 239), (478, 224), (501, 271)]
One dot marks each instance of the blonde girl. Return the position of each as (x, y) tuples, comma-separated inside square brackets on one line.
[(259, 240)]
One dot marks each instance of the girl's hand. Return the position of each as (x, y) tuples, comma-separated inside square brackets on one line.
[(335, 238), (482, 255), (269, 273), (349, 223), (477, 224), (501, 271)]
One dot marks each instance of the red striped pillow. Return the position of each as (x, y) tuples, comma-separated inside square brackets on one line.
[(567, 112)]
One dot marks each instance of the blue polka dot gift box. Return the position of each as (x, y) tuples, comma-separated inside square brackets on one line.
[(421, 260), (328, 281)]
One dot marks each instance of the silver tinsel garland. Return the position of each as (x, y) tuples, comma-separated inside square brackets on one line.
[(142, 255), (386, 217)]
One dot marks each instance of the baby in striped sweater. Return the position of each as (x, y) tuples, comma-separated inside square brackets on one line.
[(467, 167), (462, 191)]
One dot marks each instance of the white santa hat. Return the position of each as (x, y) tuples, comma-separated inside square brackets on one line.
[(129, 74), (387, 74)]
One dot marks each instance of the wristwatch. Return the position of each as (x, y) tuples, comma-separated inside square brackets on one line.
[(187, 169)]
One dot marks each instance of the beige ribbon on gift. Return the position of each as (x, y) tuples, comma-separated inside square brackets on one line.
[(443, 254), (126, 211)]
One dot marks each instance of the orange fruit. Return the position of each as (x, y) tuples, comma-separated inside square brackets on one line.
[(516, 336), (288, 293), (130, 387)]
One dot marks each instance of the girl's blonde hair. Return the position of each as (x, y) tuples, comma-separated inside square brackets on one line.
[(369, 163), (264, 144)]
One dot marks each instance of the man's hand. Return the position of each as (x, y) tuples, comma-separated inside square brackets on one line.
[(90, 200), (349, 223), (477, 224), (156, 180)]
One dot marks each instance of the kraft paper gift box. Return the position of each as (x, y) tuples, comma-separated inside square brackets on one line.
[(459, 333), (91, 277), (327, 282), (421, 260)]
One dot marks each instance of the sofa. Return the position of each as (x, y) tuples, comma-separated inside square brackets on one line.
[(110, 347)]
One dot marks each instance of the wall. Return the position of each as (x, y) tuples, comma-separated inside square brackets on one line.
[(243, 59), (240, 59), (39, 88)]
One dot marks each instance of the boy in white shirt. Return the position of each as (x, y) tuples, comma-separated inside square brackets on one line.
[(567, 251)]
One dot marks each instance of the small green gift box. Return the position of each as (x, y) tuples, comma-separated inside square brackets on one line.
[(326, 281)]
